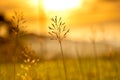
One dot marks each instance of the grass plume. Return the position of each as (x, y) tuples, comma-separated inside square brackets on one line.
[(58, 31), (17, 22)]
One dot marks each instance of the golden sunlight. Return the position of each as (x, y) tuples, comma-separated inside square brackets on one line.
[(60, 5), (34, 2)]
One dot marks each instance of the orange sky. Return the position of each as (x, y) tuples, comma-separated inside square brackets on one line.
[(79, 19)]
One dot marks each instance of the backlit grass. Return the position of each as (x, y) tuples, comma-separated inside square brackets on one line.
[(53, 70)]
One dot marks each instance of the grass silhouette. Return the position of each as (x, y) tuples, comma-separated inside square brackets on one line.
[(58, 32)]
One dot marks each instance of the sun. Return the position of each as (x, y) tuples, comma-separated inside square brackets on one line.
[(57, 5), (60, 5)]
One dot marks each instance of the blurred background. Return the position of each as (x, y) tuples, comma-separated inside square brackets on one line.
[(91, 48), (79, 15)]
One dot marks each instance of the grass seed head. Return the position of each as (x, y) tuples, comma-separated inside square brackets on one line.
[(58, 30)]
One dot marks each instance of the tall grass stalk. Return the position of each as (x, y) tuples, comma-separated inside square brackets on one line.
[(58, 32), (16, 23), (64, 62), (79, 60), (110, 50), (93, 39)]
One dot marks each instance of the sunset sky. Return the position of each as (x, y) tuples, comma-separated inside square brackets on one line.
[(79, 16)]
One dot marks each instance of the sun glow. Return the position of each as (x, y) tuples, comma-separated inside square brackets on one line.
[(34, 2), (59, 5)]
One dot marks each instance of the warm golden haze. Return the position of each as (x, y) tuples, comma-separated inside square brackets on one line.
[(60, 5), (59, 39), (79, 15)]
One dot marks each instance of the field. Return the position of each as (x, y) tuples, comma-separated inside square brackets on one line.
[(77, 69)]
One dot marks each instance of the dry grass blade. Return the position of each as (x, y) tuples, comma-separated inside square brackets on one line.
[(59, 19), (15, 13), (50, 33), (55, 34), (13, 17), (63, 23), (60, 23), (50, 28), (52, 19), (24, 21), (66, 32), (55, 19), (53, 26), (64, 28), (60, 29)]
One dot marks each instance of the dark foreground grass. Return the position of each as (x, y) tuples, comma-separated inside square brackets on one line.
[(85, 69)]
